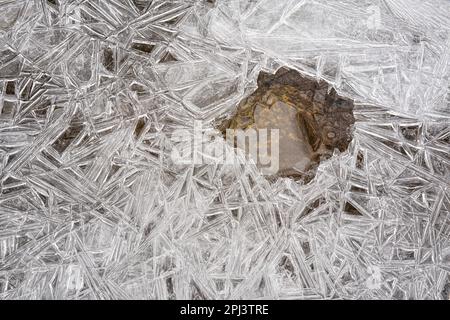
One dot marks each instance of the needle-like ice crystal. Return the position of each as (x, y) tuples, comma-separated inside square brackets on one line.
[(94, 206)]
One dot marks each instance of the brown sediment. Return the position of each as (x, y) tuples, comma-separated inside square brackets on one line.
[(312, 120)]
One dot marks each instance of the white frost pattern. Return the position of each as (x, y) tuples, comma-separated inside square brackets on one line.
[(91, 206)]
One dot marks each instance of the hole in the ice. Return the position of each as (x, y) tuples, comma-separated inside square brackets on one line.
[(12, 185), (13, 189), (235, 213), (169, 286), (168, 57), (25, 91), (396, 146), (10, 88), (139, 89), (446, 291), (141, 5), (350, 209), (143, 47), (101, 210), (8, 109), (210, 3), (354, 188), (313, 205), (10, 158), (262, 285), (41, 109), (112, 171), (196, 293), (311, 119), (108, 59), (149, 228), (68, 136), (360, 160), (139, 127), (445, 139), (220, 284), (306, 248), (380, 189), (402, 254), (43, 198), (410, 133), (50, 157), (416, 39), (286, 264), (317, 203)]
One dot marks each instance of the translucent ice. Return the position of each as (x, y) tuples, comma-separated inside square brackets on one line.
[(92, 205)]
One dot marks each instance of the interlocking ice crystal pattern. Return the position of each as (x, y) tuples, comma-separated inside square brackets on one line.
[(93, 207)]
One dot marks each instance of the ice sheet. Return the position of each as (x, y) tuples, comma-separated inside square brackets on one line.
[(92, 205)]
